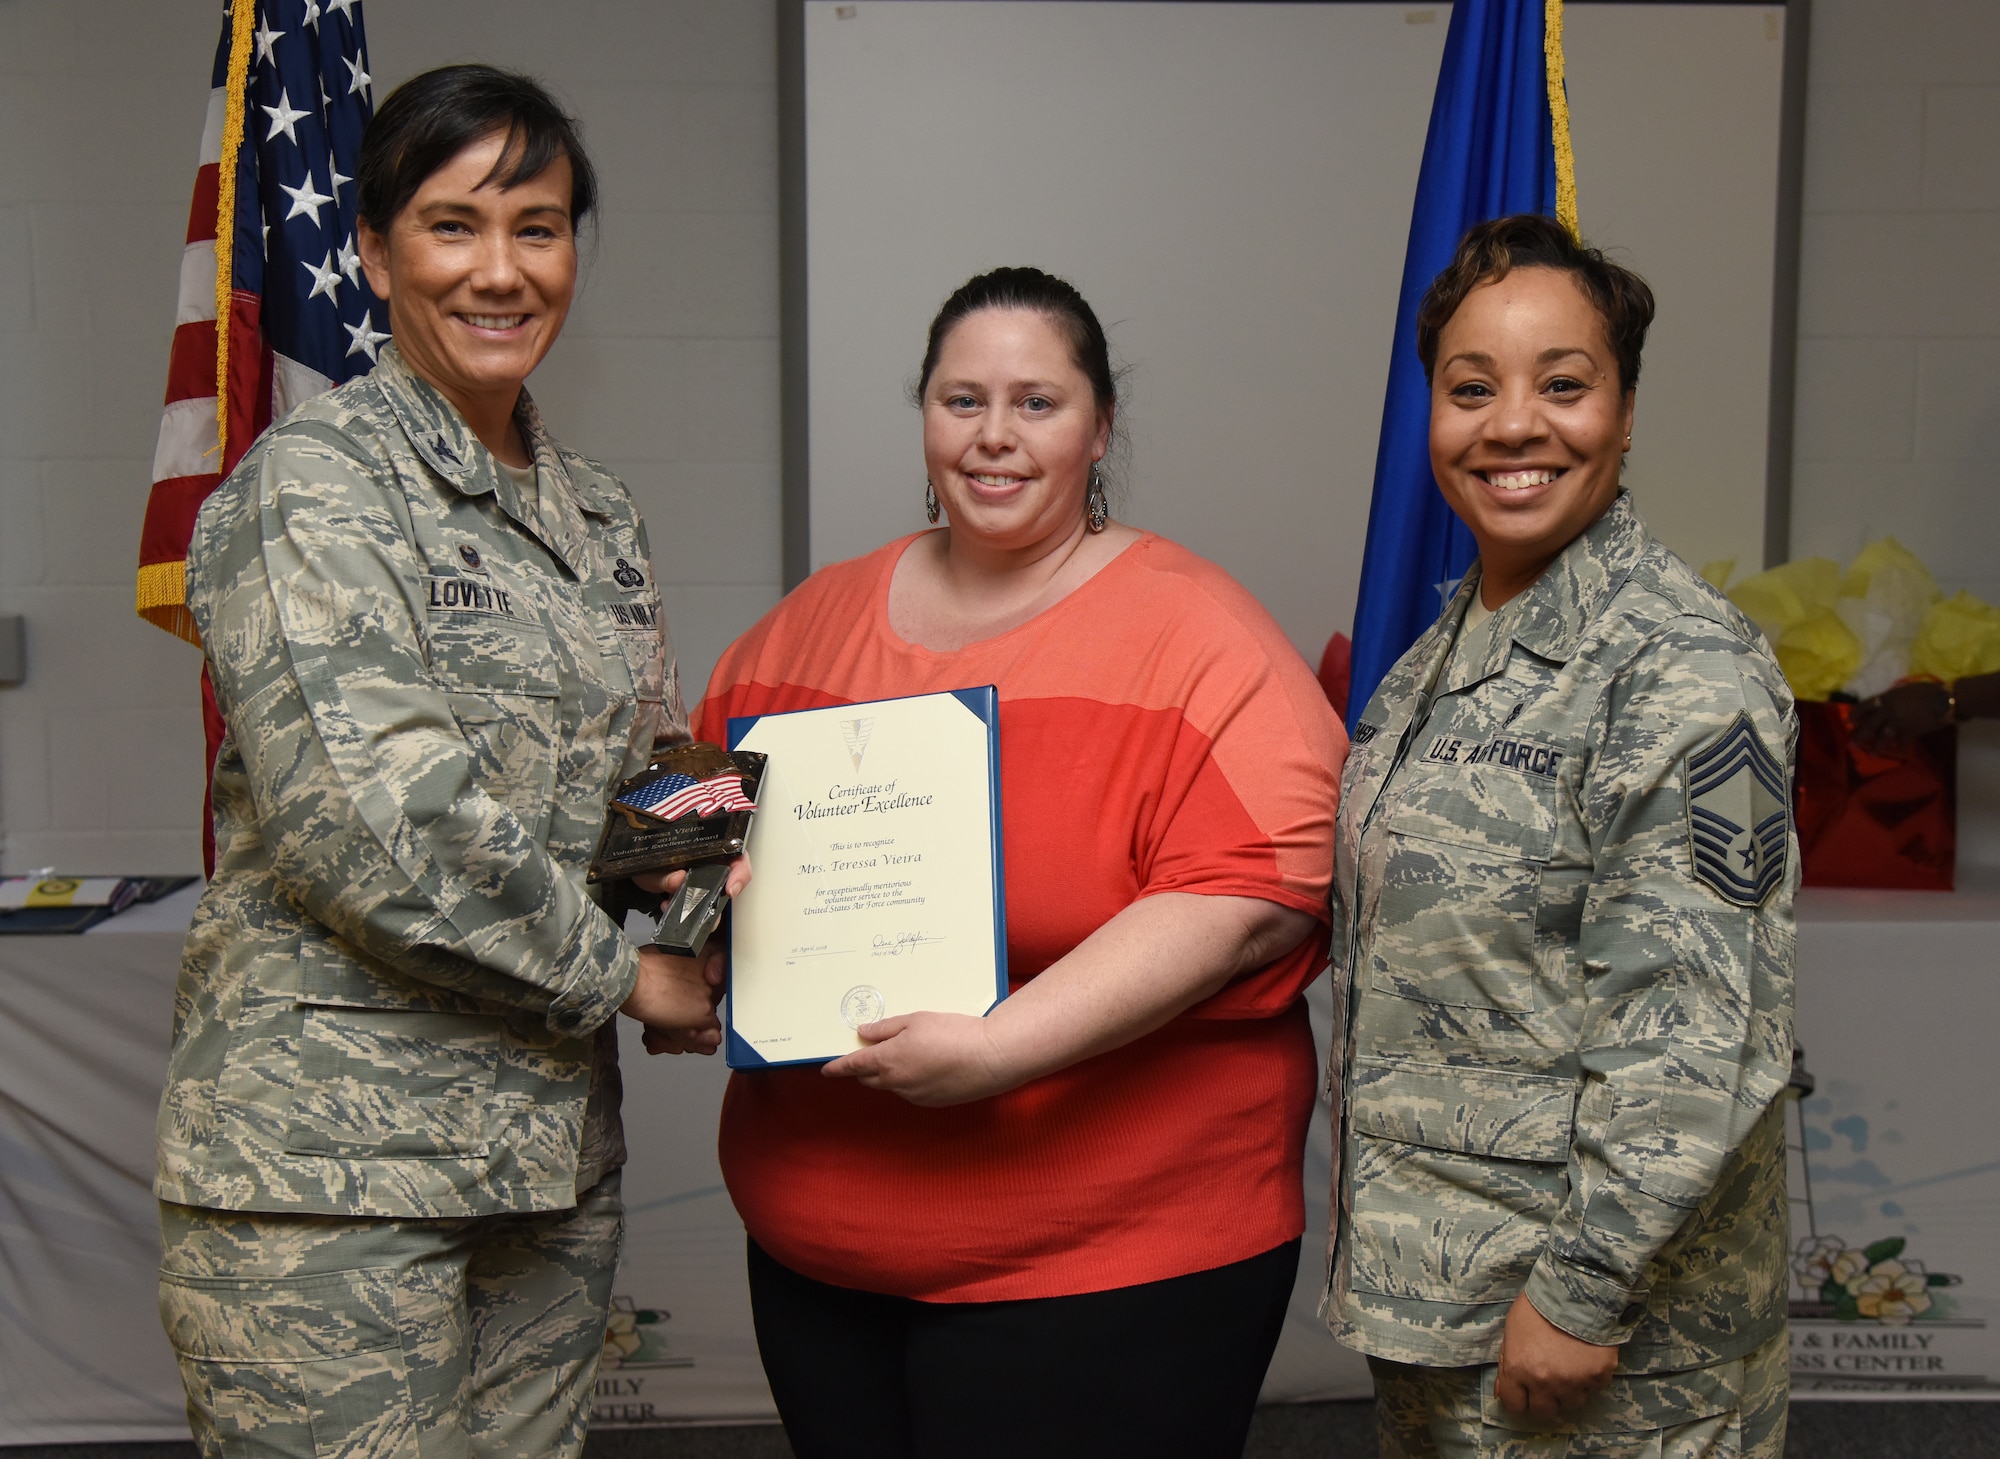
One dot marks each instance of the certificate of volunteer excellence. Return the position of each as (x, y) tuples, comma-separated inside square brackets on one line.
[(877, 875)]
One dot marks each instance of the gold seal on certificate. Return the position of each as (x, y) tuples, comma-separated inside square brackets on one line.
[(878, 882)]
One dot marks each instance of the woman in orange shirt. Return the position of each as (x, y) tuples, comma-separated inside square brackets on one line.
[(1071, 1226)]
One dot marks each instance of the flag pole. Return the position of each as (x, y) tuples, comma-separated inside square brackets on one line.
[(242, 20), (1552, 55)]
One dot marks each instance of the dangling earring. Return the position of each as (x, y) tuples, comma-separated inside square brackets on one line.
[(1096, 510), (930, 501)]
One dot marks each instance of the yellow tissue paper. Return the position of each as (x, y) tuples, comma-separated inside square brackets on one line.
[(1819, 653), (1718, 573), (1788, 594), (1859, 631), (1885, 596), (1887, 554), (1960, 636)]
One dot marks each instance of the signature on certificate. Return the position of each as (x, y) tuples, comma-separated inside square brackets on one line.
[(895, 944)]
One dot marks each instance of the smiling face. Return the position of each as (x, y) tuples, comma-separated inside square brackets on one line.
[(1011, 429), (478, 278), (1528, 422)]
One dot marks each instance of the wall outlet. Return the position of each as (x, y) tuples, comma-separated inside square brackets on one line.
[(13, 649)]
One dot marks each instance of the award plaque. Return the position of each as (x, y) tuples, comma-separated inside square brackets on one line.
[(690, 807), (878, 886)]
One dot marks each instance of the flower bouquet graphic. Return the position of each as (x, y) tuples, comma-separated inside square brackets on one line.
[(1872, 1283), (1869, 1317), (636, 1337)]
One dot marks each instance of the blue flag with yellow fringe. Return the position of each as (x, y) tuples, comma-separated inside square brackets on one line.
[(1498, 144)]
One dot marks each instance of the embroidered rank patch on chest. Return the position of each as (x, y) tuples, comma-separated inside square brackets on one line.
[(1739, 812)]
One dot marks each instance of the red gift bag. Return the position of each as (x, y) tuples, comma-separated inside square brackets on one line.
[(1869, 819)]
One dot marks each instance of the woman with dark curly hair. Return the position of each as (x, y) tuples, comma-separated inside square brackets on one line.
[(1564, 931)]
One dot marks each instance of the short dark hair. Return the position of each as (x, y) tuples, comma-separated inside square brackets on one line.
[(1489, 251), (1055, 299), (431, 118)]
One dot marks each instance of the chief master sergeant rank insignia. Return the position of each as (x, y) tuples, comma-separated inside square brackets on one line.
[(1739, 811)]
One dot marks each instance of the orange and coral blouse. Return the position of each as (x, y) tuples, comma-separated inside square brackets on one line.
[(1158, 733)]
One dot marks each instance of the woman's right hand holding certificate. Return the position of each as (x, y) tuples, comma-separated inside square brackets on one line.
[(1159, 956)]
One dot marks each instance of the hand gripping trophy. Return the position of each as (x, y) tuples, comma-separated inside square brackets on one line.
[(690, 807)]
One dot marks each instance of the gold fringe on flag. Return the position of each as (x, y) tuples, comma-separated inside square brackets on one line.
[(162, 599), (242, 20), (1552, 55)]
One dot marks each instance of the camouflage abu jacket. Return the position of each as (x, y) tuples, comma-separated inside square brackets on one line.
[(397, 995), (1563, 939)]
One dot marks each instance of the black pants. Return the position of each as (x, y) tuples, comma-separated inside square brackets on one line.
[(1165, 1370)]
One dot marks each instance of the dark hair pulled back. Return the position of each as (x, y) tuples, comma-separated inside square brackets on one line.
[(1055, 299), (431, 118), (1490, 251)]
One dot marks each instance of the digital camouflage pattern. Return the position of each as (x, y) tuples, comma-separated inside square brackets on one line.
[(1732, 1410), (1564, 1049), (396, 997), (306, 1336)]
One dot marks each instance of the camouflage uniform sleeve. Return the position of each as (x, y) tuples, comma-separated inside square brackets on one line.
[(309, 601), (1688, 1011)]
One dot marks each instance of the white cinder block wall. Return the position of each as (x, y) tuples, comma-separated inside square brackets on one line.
[(97, 147), (668, 370), (1899, 318)]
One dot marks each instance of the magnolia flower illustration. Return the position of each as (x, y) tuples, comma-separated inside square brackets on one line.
[(1892, 1294), (1813, 1259), (1873, 1283), (621, 1337)]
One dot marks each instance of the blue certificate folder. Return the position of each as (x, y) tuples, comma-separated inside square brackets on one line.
[(880, 940)]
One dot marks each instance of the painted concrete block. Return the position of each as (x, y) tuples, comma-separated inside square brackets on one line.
[(1860, 145), (1857, 399), (1961, 146)]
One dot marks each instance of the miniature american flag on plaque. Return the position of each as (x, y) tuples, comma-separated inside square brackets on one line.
[(673, 796)]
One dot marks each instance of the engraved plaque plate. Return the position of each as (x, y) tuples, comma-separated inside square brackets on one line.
[(692, 803)]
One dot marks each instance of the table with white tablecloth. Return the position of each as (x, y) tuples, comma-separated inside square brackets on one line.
[(84, 1024), (83, 1040)]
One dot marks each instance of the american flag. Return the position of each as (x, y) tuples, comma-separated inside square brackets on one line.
[(271, 238), (673, 796)]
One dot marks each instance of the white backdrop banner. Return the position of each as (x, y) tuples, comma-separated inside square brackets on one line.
[(1896, 1172)]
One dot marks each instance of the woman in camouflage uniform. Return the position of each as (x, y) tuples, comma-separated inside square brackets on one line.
[(389, 1147), (1564, 938)]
